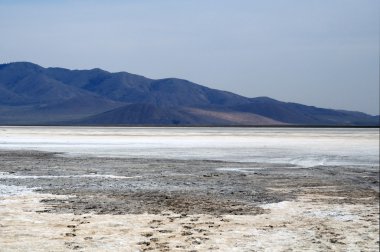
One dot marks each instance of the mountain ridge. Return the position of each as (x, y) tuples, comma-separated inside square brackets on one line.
[(31, 94)]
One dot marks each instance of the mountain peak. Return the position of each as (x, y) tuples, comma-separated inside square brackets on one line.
[(264, 99), (21, 65)]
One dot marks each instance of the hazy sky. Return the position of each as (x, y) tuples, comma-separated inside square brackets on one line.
[(317, 52)]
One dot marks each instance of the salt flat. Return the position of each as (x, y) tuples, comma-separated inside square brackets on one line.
[(189, 189), (299, 146)]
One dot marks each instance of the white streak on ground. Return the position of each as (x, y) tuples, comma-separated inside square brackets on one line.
[(11, 176), (11, 190)]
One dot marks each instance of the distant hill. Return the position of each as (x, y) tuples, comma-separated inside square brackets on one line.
[(31, 94)]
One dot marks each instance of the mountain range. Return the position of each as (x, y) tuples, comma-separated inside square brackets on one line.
[(34, 95)]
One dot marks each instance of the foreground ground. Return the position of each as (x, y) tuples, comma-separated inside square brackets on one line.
[(116, 204)]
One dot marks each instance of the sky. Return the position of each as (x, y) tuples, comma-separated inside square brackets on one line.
[(323, 53)]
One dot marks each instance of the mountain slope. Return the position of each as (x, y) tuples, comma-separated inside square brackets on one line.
[(149, 114), (131, 88), (31, 94), (301, 114), (28, 96)]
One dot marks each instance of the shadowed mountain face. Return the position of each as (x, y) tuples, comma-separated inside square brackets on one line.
[(31, 94)]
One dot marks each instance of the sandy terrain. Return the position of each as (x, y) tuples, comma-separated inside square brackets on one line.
[(49, 202)]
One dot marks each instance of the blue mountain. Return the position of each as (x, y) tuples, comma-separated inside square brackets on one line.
[(34, 95)]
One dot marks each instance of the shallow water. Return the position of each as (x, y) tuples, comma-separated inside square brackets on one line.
[(305, 147)]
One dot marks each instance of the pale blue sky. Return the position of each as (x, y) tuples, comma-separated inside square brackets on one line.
[(317, 52)]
